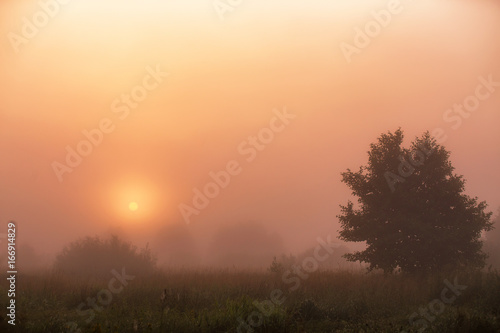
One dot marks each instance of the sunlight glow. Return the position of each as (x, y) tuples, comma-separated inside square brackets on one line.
[(133, 206)]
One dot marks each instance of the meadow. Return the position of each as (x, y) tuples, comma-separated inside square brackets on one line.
[(230, 300)]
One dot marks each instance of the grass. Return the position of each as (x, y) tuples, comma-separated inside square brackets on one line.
[(219, 300)]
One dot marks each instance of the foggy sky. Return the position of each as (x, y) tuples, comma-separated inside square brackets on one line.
[(225, 78)]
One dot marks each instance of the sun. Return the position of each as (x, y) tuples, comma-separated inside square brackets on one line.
[(133, 199), (133, 206)]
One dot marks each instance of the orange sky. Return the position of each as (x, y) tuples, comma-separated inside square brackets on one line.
[(225, 77)]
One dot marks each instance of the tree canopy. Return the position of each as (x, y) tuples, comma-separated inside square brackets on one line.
[(412, 211), (93, 256)]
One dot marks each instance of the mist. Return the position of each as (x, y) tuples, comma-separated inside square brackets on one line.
[(196, 136)]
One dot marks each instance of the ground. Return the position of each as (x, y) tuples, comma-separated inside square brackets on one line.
[(232, 301)]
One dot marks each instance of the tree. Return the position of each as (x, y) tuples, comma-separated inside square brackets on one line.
[(176, 246), (412, 211), (246, 244), (92, 256), (492, 244)]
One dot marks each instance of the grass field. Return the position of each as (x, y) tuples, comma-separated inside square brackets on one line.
[(232, 301)]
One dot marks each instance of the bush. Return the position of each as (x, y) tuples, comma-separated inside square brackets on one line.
[(92, 256)]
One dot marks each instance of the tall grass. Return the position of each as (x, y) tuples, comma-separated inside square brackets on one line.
[(215, 300)]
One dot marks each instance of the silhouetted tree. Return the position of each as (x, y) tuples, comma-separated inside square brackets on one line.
[(412, 211), (92, 256), (176, 246), (244, 245), (492, 243)]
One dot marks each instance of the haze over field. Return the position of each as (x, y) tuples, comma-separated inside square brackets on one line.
[(227, 80)]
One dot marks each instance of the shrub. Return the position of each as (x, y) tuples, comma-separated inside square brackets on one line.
[(92, 256)]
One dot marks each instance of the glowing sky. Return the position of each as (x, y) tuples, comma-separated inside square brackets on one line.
[(225, 77)]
